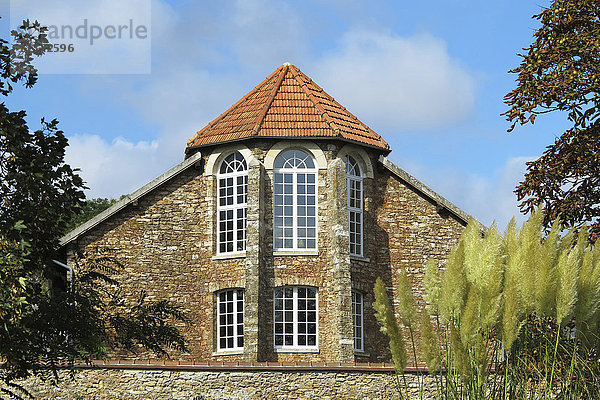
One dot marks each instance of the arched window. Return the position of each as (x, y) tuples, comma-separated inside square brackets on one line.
[(355, 205), (232, 207), (295, 201)]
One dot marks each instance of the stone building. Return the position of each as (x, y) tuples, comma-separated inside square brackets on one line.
[(271, 234)]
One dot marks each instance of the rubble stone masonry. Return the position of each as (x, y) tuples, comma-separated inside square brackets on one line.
[(167, 240)]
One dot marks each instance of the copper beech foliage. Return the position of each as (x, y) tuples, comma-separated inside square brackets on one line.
[(560, 72)]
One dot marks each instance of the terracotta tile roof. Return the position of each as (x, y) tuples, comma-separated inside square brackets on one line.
[(287, 104)]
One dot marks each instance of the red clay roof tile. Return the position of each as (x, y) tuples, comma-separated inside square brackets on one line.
[(286, 104)]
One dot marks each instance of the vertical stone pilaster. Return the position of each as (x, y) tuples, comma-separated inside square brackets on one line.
[(254, 239), (340, 256)]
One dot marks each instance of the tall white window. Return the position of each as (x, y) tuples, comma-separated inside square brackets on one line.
[(355, 205), (230, 319), (295, 317), (295, 201), (232, 208), (358, 321)]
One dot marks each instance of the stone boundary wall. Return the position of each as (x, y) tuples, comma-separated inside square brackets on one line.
[(142, 384)]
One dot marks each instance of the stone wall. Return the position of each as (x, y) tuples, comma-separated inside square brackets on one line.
[(132, 384), (166, 241)]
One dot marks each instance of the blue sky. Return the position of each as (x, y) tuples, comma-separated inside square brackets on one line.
[(427, 76)]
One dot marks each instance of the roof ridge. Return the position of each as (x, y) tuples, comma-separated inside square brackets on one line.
[(326, 117), (348, 111), (233, 107), (261, 118), (427, 191)]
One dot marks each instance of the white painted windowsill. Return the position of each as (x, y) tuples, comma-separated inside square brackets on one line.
[(228, 353), (295, 350), (228, 256), (360, 258), (280, 253)]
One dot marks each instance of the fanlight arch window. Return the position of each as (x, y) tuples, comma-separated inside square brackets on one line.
[(294, 201), (354, 178), (232, 204)]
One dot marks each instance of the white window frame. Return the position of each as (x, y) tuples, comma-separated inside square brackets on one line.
[(358, 331), (294, 172), (236, 336), (295, 322), (234, 208), (358, 211)]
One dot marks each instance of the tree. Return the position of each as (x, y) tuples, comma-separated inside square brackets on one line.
[(43, 325), (560, 73), (89, 209)]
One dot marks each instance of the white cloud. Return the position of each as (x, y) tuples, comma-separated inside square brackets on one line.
[(487, 198), (397, 83), (102, 36), (116, 168), (207, 55)]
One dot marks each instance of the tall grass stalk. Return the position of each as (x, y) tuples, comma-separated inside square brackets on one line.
[(516, 315)]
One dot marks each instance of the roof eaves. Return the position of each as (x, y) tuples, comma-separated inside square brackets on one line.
[(340, 138), (384, 144), (131, 198), (426, 190)]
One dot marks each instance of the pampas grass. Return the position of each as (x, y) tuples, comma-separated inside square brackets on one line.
[(389, 326), (508, 305)]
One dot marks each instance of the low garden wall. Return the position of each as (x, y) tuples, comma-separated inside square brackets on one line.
[(240, 382)]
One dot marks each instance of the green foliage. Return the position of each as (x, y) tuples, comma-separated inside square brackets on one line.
[(88, 210), (509, 303), (43, 325), (560, 72), (64, 326), (28, 42), (36, 185)]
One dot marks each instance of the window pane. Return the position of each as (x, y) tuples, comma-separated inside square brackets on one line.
[(295, 316), (233, 195), (357, 318), (294, 198), (355, 212), (230, 319)]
